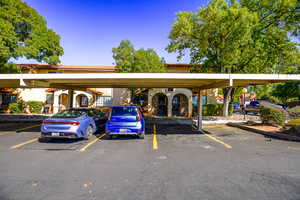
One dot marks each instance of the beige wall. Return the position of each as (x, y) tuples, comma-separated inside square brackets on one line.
[(36, 94)]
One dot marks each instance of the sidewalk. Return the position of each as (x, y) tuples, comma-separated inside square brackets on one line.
[(235, 118)]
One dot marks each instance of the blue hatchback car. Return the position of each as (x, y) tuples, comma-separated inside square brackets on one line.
[(125, 120)]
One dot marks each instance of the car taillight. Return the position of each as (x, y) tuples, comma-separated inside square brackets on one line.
[(139, 116), (75, 123)]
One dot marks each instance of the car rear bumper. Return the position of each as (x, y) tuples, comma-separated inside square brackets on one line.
[(61, 135)]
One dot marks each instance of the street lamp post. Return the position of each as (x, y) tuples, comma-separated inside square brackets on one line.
[(244, 101)]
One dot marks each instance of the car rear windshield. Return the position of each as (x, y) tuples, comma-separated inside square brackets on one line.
[(69, 114), (124, 111)]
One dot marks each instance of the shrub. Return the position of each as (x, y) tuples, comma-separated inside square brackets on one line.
[(35, 106), (294, 122), (16, 108), (294, 112), (215, 109), (271, 114)]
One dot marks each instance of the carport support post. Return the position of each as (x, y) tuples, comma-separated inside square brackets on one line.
[(199, 111), (70, 96)]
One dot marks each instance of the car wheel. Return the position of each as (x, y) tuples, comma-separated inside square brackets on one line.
[(44, 140), (89, 132)]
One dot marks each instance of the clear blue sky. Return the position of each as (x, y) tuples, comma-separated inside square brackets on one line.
[(90, 28)]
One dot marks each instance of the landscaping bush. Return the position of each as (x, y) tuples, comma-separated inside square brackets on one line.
[(271, 114), (294, 122), (16, 108), (294, 112), (35, 106), (215, 109)]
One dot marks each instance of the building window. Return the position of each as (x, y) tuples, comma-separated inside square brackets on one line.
[(8, 98), (195, 100), (103, 101), (84, 101), (50, 99)]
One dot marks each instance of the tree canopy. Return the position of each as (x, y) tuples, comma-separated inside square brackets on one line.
[(246, 36), (24, 33), (286, 91), (249, 36), (127, 59)]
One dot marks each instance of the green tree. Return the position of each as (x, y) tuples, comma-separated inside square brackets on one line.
[(286, 91), (229, 37), (127, 59), (24, 33)]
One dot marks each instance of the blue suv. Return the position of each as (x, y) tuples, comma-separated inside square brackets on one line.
[(125, 120)]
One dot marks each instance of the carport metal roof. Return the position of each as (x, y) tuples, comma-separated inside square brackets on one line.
[(140, 80)]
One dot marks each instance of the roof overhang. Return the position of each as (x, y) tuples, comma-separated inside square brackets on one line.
[(140, 80)]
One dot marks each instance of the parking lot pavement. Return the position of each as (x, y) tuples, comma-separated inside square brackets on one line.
[(186, 165)]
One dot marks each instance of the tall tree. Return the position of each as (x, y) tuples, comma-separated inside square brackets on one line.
[(229, 37), (127, 59), (24, 33), (286, 91)]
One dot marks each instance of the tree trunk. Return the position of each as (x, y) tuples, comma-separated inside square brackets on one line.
[(226, 94), (232, 93)]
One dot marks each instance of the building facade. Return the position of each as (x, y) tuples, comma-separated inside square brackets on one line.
[(156, 101)]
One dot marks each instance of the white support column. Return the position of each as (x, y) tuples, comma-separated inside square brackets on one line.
[(70, 98), (56, 102), (199, 111)]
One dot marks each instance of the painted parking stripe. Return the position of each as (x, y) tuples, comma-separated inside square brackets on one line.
[(154, 143), (7, 133), (28, 127), (219, 141), (24, 143), (91, 143)]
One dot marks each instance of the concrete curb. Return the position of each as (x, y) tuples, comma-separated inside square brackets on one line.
[(266, 133)]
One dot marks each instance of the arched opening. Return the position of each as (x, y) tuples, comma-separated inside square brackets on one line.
[(180, 105), (63, 102), (160, 104), (82, 100)]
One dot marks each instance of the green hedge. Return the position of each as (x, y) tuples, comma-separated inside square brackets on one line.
[(35, 106), (215, 110), (271, 114), (294, 122), (294, 112), (16, 108)]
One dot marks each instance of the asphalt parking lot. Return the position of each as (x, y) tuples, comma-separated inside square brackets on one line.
[(172, 162)]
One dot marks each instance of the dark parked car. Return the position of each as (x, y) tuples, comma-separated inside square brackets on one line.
[(125, 120), (73, 123), (253, 107)]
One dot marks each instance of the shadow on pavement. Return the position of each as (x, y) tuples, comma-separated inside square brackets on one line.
[(19, 126), (171, 129)]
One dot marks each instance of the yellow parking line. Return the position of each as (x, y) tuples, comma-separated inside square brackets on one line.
[(24, 143), (219, 141), (21, 129), (154, 144), (6, 133), (91, 143)]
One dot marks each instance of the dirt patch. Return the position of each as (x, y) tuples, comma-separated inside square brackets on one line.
[(265, 128)]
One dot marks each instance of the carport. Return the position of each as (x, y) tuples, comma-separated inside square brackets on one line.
[(195, 81)]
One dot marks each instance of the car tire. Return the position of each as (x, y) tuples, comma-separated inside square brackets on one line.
[(44, 140), (89, 132)]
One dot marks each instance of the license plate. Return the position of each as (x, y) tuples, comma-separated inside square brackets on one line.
[(123, 130), (55, 134)]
